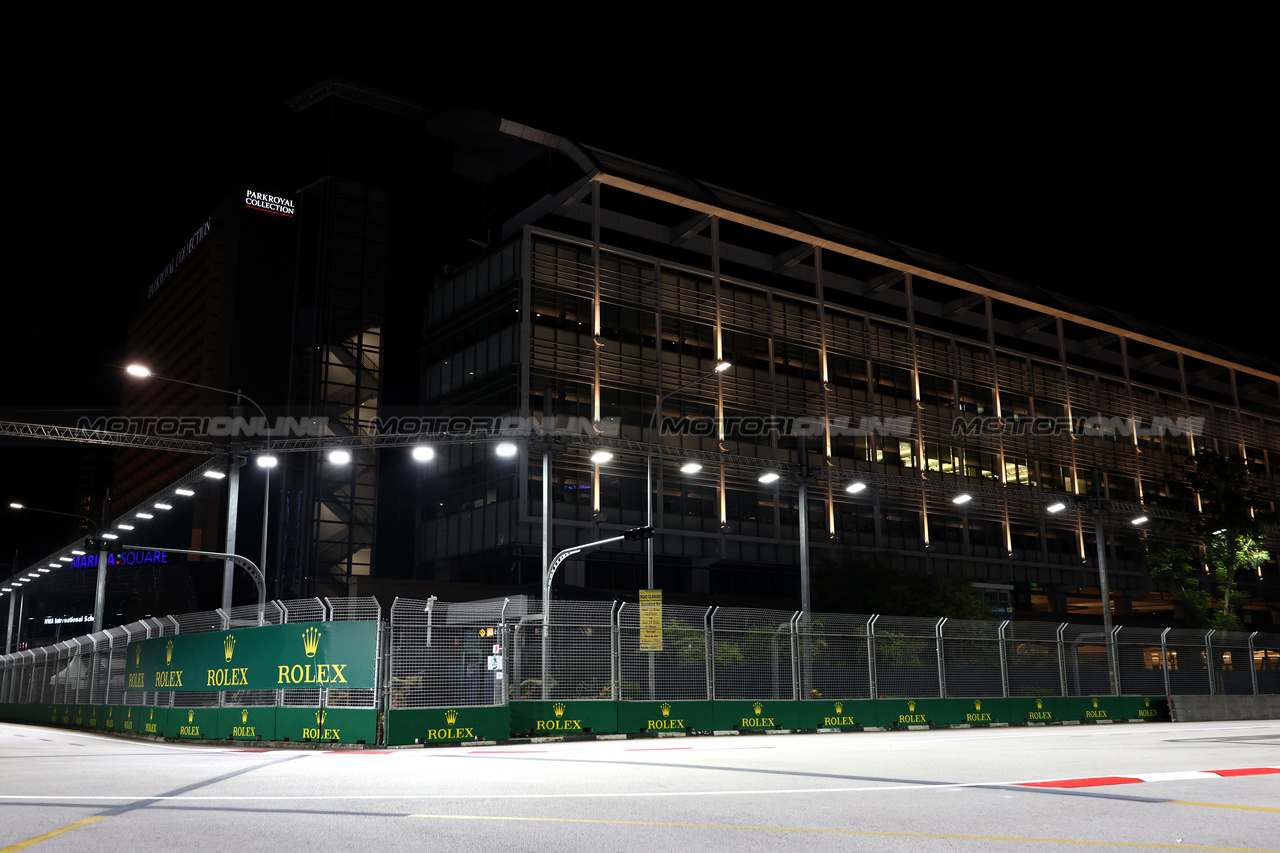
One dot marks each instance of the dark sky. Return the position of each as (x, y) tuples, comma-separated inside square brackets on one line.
[(1124, 176)]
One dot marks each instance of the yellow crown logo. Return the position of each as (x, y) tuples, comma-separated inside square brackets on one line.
[(244, 715), (229, 646), (911, 705), (311, 641), (1095, 703), (1147, 702), (168, 653), (757, 707), (1039, 704), (130, 714), (110, 708), (191, 715), (666, 709), (558, 708), (153, 714), (977, 704), (137, 656), (451, 716), (839, 707), (320, 715)]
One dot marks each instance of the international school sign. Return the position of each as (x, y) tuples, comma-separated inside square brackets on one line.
[(302, 654)]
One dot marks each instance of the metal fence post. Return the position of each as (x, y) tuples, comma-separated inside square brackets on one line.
[(1253, 669), (1208, 659), (942, 666), (871, 657), (1062, 658), (1164, 658), (710, 625), (1004, 660)]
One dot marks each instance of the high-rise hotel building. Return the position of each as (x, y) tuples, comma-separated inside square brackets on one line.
[(610, 289)]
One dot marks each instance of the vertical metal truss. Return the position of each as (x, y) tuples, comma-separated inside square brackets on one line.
[(838, 650), (440, 652), (680, 669), (753, 653)]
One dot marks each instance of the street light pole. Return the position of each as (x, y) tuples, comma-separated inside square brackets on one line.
[(265, 461), (650, 498), (100, 582)]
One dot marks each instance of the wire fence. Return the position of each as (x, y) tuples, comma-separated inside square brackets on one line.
[(488, 653)]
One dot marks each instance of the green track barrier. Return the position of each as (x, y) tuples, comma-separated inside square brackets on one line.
[(447, 725), (343, 725), (656, 717), (838, 714), (761, 715), (566, 717)]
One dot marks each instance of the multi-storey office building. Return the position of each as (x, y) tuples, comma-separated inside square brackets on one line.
[(610, 291)]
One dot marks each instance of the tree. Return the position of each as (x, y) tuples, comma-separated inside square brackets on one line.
[(1228, 531), (1229, 524)]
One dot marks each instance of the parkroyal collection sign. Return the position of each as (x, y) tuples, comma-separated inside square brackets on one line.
[(297, 655)]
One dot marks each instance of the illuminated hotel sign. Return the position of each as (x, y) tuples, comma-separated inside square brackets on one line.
[(269, 203), (182, 255), (125, 558)]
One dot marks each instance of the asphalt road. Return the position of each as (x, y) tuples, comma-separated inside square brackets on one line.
[(1147, 786)]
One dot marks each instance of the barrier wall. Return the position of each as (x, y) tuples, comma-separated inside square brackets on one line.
[(438, 672)]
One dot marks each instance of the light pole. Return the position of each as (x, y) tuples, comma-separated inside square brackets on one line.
[(654, 423), (266, 461), (100, 584)]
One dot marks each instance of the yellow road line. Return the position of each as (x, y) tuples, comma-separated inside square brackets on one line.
[(53, 833), (1190, 803), (1145, 844)]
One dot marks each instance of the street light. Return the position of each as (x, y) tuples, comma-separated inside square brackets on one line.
[(650, 498), (99, 538), (266, 461)]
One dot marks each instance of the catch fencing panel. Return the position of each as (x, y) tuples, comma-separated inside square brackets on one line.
[(1141, 661), (971, 658), (753, 653), (1188, 662), (1033, 659), (440, 652), (199, 622), (837, 650), (579, 652), (1085, 651), (355, 610), (906, 655), (1231, 661), (680, 669), (1266, 662), (302, 610)]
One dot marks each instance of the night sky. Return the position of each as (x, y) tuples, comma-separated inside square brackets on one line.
[(1129, 184)]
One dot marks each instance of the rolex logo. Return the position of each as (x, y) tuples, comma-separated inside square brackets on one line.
[(229, 646), (320, 715), (757, 707), (1039, 704), (191, 715), (666, 709), (153, 714), (1147, 702), (130, 714), (168, 653), (451, 716), (244, 715), (558, 708), (839, 707), (911, 705), (311, 641), (137, 656), (110, 708), (977, 704), (1095, 703)]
